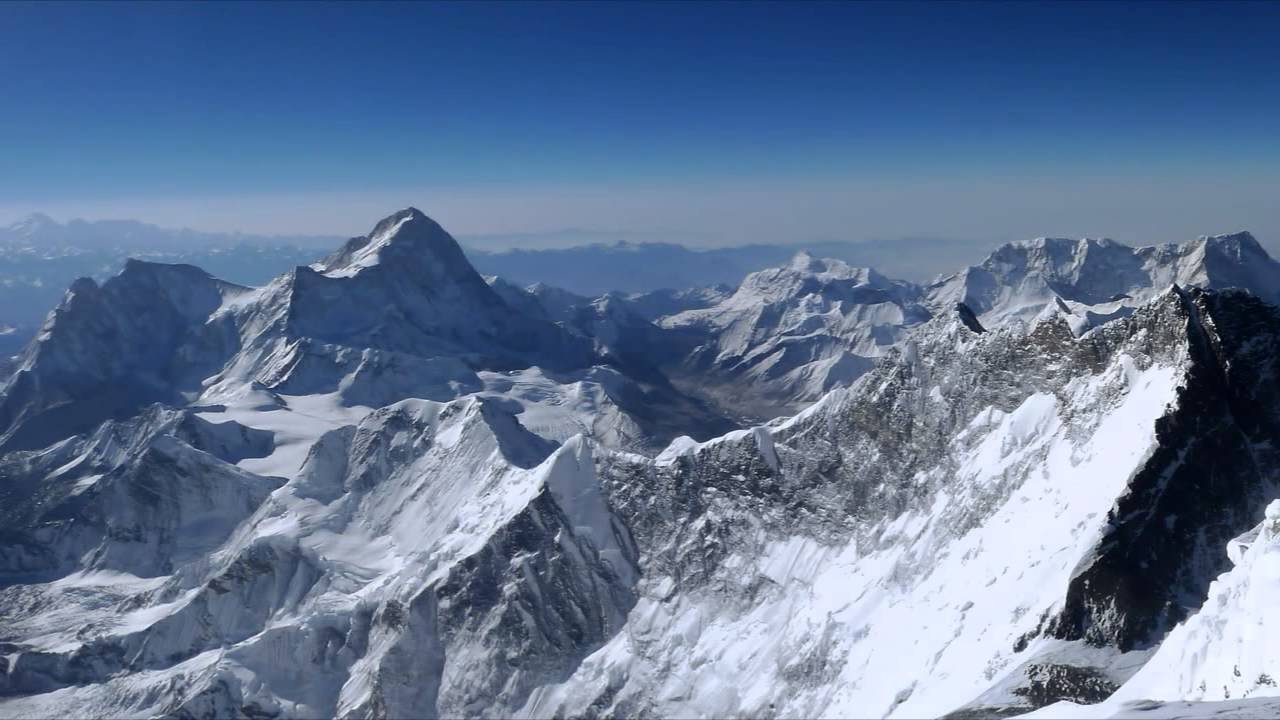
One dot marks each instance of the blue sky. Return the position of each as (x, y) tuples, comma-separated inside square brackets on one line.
[(716, 123)]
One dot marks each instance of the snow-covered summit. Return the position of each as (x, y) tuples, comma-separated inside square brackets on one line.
[(989, 509), (408, 239), (396, 313), (382, 486), (1222, 261), (1018, 280), (1241, 245), (808, 275), (407, 287), (796, 331)]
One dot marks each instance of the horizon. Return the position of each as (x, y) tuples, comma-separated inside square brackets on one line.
[(715, 125), (772, 358), (571, 238)]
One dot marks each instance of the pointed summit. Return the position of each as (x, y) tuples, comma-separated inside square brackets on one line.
[(407, 236), (407, 287), (1234, 260), (1237, 245), (826, 268), (804, 262)]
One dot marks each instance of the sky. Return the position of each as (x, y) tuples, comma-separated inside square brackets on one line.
[(706, 123)]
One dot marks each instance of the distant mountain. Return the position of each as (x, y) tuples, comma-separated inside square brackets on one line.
[(790, 334), (397, 313), (654, 304), (794, 332), (381, 485), (42, 235), (40, 258), (593, 270), (1090, 280)]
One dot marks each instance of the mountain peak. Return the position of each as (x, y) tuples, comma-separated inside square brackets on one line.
[(407, 215), (1238, 244), (134, 267), (804, 262), (808, 264), (407, 236)]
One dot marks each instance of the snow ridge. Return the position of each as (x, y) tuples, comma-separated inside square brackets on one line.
[(383, 486)]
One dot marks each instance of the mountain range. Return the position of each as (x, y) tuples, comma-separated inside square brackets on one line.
[(385, 485), (40, 257)]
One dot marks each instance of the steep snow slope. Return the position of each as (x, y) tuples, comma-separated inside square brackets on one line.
[(963, 509), (985, 522), (393, 575), (937, 531), (792, 333), (785, 565), (1221, 662), (1227, 650)]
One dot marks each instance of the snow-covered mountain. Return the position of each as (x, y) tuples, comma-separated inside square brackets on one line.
[(793, 333), (398, 313), (660, 303), (585, 265), (631, 346), (948, 510), (788, 335), (382, 486), (969, 510), (1096, 280), (40, 257)]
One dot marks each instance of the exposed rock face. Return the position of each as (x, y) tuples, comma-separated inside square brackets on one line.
[(880, 502), (1216, 467), (1220, 662), (1018, 513)]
